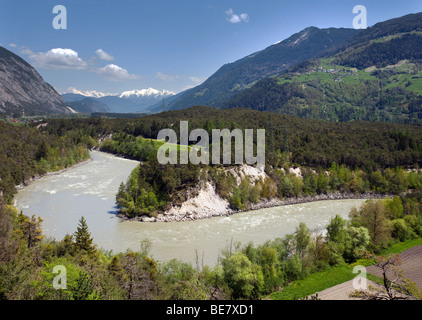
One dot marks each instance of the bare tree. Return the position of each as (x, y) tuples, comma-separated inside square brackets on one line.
[(395, 286), (199, 263), (139, 282)]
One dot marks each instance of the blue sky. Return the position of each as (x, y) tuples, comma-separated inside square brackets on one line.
[(113, 46)]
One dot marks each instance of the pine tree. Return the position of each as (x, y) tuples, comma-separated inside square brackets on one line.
[(121, 195), (84, 289), (31, 229), (83, 240)]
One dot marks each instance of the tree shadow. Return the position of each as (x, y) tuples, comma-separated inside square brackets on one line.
[(114, 212)]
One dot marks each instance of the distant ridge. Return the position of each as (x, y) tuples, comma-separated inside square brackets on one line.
[(133, 101)]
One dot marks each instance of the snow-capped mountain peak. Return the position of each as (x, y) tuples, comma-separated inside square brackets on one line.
[(90, 93), (150, 92)]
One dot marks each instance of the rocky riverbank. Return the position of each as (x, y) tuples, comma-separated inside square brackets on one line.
[(208, 204), (320, 197)]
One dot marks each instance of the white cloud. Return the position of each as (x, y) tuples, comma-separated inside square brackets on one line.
[(167, 77), (197, 80), (57, 58), (244, 17), (236, 18), (115, 73), (104, 55), (26, 51), (13, 45)]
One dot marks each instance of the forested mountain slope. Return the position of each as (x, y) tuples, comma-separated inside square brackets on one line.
[(376, 76)]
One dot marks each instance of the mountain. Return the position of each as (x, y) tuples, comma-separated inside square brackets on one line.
[(375, 75), (134, 101), (88, 105), (71, 97), (235, 77), (22, 89), (404, 24), (168, 102)]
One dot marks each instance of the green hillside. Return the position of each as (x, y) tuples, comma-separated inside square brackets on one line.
[(349, 85)]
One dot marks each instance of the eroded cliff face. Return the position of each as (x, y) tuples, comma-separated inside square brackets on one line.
[(206, 202), (22, 89)]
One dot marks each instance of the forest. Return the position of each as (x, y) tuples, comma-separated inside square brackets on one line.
[(312, 143), (384, 51), (26, 152)]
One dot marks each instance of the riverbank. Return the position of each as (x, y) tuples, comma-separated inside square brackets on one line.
[(52, 173), (320, 197), (208, 204)]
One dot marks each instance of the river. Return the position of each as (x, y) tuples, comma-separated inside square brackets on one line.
[(89, 190)]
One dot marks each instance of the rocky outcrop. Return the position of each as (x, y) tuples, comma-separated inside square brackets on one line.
[(23, 90), (206, 204)]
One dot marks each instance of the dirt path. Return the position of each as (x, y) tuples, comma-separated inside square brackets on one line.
[(341, 291)]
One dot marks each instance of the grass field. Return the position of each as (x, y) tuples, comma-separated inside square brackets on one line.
[(402, 246), (406, 76), (316, 282)]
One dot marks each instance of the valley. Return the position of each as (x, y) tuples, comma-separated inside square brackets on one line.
[(132, 197)]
